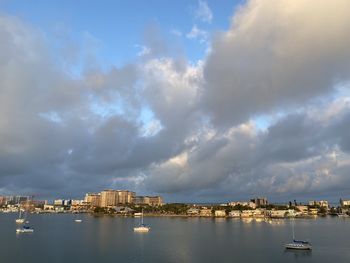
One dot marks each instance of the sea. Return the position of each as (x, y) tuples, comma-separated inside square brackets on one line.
[(57, 238)]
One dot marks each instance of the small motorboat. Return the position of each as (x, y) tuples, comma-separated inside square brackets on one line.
[(78, 220), (25, 229)]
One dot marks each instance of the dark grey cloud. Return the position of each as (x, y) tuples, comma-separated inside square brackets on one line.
[(296, 156)]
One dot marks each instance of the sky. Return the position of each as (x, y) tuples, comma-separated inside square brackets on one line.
[(196, 101)]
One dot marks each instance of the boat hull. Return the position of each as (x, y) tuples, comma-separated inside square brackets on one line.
[(298, 246), (141, 229), (22, 231)]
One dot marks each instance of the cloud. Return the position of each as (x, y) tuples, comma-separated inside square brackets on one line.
[(276, 56), (144, 51), (294, 157), (203, 12), (186, 130), (199, 34)]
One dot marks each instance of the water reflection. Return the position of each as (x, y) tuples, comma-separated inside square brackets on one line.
[(298, 253)]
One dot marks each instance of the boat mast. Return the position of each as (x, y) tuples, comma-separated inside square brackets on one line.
[(142, 217), (293, 229)]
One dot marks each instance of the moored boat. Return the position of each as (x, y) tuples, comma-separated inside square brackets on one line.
[(142, 227), (25, 229), (299, 244)]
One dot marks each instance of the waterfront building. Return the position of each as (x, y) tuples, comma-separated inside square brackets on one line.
[(108, 198), (67, 202), (58, 202), (16, 199), (148, 200), (259, 213), (3, 200), (115, 197), (125, 197), (259, 201), (93, 199), (193, 211), (313, 211), (249, 204), (278, 213), (49, 207), (321, 203), (247, 213), (344, 203), (220, 213), (205, 212), (75, 202), (234, 213), (302, 208), (291, 213)]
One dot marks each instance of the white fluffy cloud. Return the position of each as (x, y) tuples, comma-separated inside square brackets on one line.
[(277, 55)]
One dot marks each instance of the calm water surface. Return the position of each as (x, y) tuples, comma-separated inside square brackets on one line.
[(57, 238)]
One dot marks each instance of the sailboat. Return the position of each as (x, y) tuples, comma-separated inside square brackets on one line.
[(20, 219), (298, 244), (142, 227)]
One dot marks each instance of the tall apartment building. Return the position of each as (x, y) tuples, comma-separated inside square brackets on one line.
[(3, 200), (259, 201), (93, 199), (115, 197)]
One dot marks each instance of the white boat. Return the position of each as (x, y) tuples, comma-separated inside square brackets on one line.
[(78, 220), (24, 229), (142, 227), (298, 244), (20, 219)]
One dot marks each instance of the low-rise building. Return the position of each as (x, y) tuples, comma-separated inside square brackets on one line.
[(291, 213), (344, 202), (259, 213), (193, 211), (220, 213), (148, 200), (313, 211), (205, 212), (321, 203), (278, 213), (58, 202), (303, 209), (49, 207), (247, 213), (234, 213), (239, 203)]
